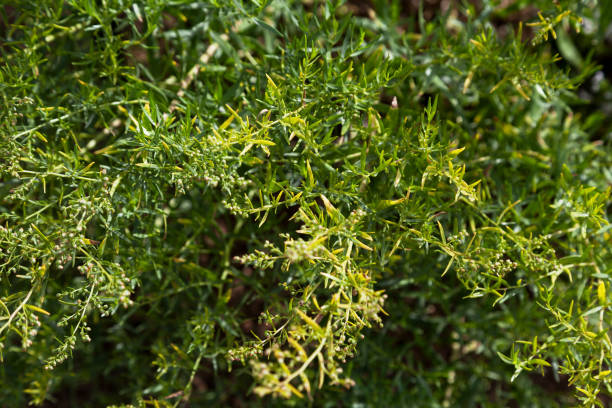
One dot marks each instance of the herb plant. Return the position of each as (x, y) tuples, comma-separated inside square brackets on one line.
[(305, 202)]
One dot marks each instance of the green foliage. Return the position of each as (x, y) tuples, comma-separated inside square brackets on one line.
[(293, 203)]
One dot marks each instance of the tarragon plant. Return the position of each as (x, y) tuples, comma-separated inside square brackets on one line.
[(318, 202)]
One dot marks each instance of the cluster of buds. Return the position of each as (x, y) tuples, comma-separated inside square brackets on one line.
[(245, 352), (84, 332), (459, 237), (356, 216), (502, 267), (297, 250), (61, 353), (235, 206), (29, 325), (258, 259)]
